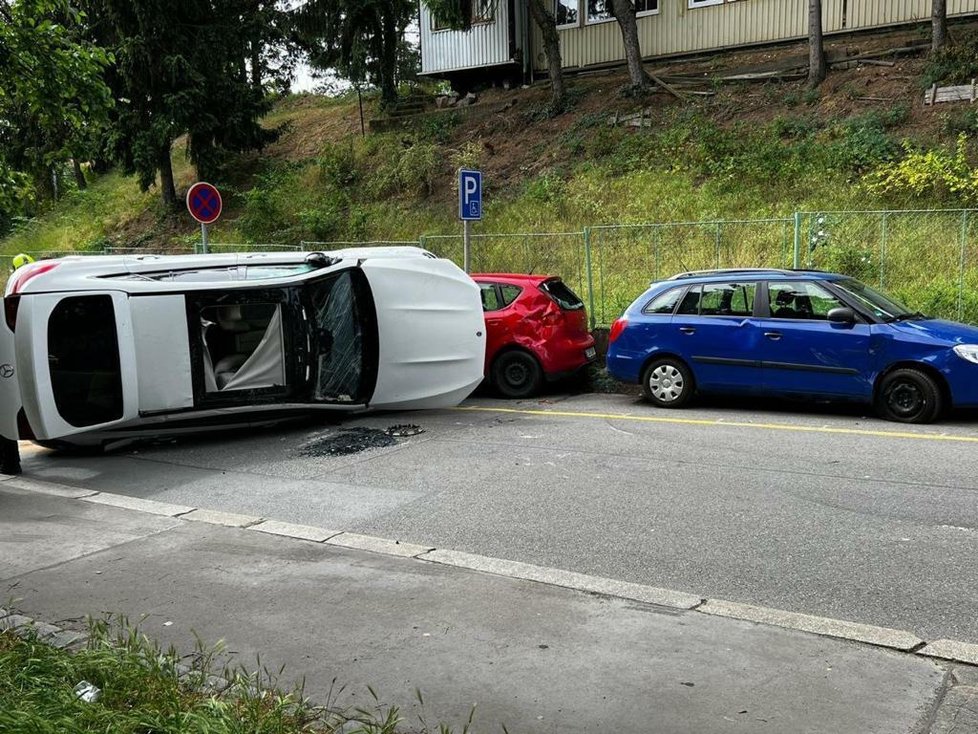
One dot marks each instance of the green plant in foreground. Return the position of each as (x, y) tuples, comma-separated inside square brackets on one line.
[(142, 691)]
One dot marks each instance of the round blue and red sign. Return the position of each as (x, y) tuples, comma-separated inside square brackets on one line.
[(204, 202)]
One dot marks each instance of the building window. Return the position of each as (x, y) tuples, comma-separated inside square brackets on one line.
[(598, 11), (704, 3), (482, 12), (567, 13), (646, 7)]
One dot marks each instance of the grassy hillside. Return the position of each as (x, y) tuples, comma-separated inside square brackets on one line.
[(751, 150)]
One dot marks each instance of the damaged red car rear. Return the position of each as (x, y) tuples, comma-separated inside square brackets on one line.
[(536, 329)]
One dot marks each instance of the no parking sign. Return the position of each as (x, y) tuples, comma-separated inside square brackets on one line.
[(205, 205), (204, 202)]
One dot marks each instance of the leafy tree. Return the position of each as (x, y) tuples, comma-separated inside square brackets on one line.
[(624, 12), (52, 96), (182, 67), (939, 22), (361, 39), (817, 66)]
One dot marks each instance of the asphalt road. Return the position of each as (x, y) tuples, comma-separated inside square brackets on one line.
[(817, 510)]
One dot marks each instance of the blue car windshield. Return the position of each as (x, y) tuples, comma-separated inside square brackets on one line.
[(881, 306)]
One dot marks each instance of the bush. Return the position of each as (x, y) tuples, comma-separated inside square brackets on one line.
[(956, 63), (862, 142), (339, 166), (545, 189), (940, 172), (940, 298), (418, 168)]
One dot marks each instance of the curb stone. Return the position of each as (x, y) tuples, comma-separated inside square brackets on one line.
[(874, 636)]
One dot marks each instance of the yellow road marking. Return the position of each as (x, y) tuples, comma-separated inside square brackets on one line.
[(727, 424)]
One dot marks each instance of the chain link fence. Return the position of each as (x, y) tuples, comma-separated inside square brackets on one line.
[(927, 258)]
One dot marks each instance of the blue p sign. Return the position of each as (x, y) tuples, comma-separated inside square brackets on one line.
[(470, 195)]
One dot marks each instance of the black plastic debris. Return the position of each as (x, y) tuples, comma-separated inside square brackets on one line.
[(404, 430)]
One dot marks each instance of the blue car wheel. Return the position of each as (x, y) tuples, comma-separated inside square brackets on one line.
[(668, 383), (909, 396)]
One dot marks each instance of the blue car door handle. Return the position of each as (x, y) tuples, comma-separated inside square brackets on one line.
[(773, 335), (687, 329)]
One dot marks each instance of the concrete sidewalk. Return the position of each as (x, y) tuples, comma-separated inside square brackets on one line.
[(531, 656)]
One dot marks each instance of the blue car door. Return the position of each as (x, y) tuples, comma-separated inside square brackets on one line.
[(805, 353), (718, 335)]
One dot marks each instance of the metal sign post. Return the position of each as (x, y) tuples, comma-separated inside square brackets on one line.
[(205, 205), (469, 210)]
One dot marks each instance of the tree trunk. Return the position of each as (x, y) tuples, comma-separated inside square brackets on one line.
[(256, 66), (388, 60), (624, 11), (167, 189), (79, 175), (817, 67), (939, 15), (551, 45)]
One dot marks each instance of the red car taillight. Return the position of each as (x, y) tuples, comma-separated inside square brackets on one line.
[(28, 273), (616, 329), (10, 305)]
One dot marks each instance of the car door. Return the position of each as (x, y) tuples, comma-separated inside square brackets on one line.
[(340, 321), (805, 353), (717, 334), (76, 361), (499, 321)]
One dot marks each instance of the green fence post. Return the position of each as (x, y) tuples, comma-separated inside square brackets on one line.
[(657, 243), (964, 249), (590, 276), (796, 260), (718, 237), (883, 250)]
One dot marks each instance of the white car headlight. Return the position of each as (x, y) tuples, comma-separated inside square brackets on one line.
[(968, 352)]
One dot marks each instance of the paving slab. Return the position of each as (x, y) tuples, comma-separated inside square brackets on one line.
[(38, 530), (140, 505), (958, 713), (961, 652), (897, 639), (379, 545), (228, 519), (291, 530), (531, 656)]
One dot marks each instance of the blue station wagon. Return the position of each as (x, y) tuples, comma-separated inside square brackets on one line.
[(786, 332)]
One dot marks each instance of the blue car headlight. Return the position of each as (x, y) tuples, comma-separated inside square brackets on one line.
[(968, 352)]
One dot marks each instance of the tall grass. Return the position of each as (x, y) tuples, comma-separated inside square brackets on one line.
[(148, 689)]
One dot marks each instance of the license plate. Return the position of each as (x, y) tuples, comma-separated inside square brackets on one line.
[(590, 352)]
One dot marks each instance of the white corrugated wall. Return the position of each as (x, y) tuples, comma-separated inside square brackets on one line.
[(677, 29), (486, 44), (872, 13)]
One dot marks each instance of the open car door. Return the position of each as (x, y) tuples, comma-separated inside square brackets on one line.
[(76, 362), (341, 324)]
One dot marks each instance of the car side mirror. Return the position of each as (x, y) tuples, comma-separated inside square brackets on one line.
[(842, 316)]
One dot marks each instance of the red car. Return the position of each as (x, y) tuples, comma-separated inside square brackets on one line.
[(536, 329)]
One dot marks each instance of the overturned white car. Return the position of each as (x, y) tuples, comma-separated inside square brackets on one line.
[(94, 349)]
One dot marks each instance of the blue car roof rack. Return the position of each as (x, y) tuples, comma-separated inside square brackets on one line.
[(742, 271)]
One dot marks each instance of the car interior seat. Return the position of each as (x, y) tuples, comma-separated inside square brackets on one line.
[(803, 304), (783, 306), (231, 333)]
